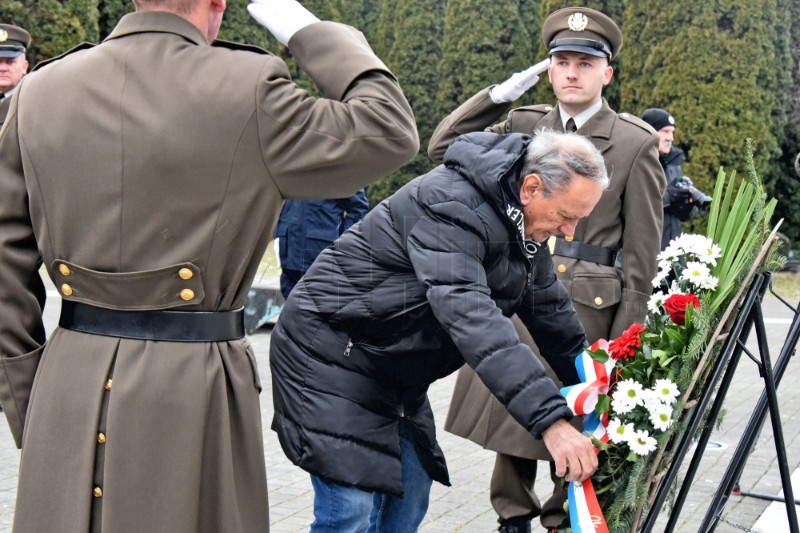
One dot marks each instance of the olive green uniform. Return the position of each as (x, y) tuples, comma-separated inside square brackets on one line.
[(147, 173)]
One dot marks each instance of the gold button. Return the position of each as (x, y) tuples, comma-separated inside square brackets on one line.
[(64, 269), (598, 301), (187, 294), (101, 438), (562, 268), (569, 238), (98, 492), (66, 289), (108, 385), (185, 273)]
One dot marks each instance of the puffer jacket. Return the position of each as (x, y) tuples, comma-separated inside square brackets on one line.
[(426, 282), (673, 170)]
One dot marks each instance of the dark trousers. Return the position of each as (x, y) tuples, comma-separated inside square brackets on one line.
[(511, 491), (289, 279)]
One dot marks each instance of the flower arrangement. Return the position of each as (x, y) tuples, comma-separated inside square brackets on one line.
[(640, 388)]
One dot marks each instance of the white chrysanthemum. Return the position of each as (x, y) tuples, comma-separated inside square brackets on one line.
[(660, 415), (618, 432), (649, 400), (709, 254), (697, 274), (671, 253), (656, 302), (629, 391), (642, 443), (693, 243), (661, 276), (666, 391), (621, 406)]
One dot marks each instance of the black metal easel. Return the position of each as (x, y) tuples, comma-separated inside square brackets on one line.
[(750, 315)]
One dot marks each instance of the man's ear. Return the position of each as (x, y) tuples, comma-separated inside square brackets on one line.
[(531, 186)]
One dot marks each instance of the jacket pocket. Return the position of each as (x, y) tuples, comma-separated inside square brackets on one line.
[(596, 291), (251, 355)]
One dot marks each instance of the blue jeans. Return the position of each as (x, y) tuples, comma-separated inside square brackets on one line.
[(344, 509)]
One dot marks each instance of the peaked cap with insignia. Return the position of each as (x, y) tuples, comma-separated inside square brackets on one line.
[(13, 40), (581, 29)]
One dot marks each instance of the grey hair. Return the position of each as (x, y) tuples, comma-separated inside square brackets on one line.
[(557, 157)]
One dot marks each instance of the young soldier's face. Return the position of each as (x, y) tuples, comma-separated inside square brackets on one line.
[(578, 79)]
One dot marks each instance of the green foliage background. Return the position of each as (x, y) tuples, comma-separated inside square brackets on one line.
[(727, 69)]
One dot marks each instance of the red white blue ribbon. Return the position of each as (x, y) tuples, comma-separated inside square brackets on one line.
[(585, 514)]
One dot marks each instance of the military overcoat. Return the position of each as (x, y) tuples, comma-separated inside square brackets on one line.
[(4, 105), (147, 173), (628, 217)]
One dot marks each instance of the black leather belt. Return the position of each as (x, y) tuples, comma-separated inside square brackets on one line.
[(177, 326), (585, 252)]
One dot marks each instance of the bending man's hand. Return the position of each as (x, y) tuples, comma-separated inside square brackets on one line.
[(283, 18), (517, 84), (572, 452)]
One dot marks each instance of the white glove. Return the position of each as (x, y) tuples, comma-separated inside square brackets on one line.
[(283, 18), (516, 85)]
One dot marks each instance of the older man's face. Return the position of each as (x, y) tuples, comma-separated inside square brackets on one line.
[(559, 213), (666, 135), (11, 71)]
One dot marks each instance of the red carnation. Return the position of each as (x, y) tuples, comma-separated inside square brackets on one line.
[(624, 346), (676, 306)]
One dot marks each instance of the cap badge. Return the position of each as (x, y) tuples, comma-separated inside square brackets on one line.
[(3, 36), (577, 22), (671, 120)]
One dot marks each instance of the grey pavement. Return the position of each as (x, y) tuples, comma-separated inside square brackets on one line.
[(465, 507)]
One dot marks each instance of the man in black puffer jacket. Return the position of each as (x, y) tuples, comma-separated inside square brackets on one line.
[(426, 282)]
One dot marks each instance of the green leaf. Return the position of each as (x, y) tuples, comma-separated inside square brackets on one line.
[(598, 355), (632, 457), (603, 404)]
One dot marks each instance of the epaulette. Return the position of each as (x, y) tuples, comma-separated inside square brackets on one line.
[(240, 46), (541, 109), (633, 119), (82, 46)]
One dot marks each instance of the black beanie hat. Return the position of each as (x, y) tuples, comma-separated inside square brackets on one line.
[(658, 118)]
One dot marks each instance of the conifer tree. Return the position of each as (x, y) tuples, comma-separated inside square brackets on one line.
[(59, 25), (480, 50), (712, 64), (110, 13), (413, 58)]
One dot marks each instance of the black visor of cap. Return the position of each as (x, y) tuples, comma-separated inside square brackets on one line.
[(11, 51), (586, 46)]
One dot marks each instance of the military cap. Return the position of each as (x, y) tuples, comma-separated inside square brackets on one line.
[(13, 40), (580, 29), (658, 118)]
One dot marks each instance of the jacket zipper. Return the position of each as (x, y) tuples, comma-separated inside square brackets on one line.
[(348, 347)]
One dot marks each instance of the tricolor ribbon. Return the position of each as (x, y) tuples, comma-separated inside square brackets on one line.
[(585, 514)]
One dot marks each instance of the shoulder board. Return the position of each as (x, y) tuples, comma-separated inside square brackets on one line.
[(633, 119), (82, 46), (541, 109), (239, 46)]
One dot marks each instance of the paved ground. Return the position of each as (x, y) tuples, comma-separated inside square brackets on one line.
[(464, 507)]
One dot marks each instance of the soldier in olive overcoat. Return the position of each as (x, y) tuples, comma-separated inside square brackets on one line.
[(13, 64), (607, 266), (147, 174)]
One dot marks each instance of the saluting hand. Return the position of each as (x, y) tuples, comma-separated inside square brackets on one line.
[(518, 83), (283, 18), (572, 452)]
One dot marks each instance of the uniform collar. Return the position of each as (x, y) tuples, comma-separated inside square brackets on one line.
[(159, 22), (582, 117)]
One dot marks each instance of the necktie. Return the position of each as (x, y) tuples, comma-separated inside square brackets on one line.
[(571, 127)]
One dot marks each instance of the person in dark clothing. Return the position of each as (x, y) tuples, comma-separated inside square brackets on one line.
[(306, 227), (426, 282), (677, 208)]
